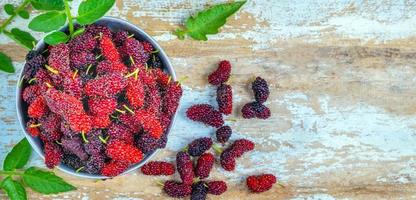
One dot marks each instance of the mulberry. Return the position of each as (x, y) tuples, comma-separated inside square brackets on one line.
[(206, 114), (221, 74)]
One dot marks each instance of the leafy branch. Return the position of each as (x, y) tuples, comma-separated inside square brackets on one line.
[(15, 179), (56, 14), (208, 21)]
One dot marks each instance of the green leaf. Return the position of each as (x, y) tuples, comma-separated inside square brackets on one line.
[(9, 8), (18, 157), (90, 11), (23, 14), (209, 21), (45, 182), (6, 64), (14, 189), (78, 32), (56, 37), (48, 4), (22, 37), (48, 22)]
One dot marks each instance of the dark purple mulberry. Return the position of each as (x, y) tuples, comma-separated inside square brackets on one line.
[(199, 146), (33, 65), (132, 47), (94, 146), (223, 134), (199, 191), (50, 123), (120, 37), (95, 163), (147, 143), (72, 161), (95, 30), (260, 89), (75, 146)]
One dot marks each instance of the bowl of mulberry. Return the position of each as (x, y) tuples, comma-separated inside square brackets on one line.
[(100, 105)]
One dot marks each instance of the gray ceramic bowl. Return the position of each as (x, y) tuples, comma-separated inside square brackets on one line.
[(114, 24)]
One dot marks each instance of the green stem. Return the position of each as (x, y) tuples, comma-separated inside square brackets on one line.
[(10, 173), (68, 13), (18, 9)]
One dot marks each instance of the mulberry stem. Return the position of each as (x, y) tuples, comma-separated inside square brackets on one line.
[(70, 22)]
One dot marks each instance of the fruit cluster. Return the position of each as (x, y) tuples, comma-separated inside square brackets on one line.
[(256, 109), (195, 162), (100, 102)]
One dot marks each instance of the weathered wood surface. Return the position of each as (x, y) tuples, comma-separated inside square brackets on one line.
[(342, 81)]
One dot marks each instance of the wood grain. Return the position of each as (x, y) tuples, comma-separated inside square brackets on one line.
[(342, 84)]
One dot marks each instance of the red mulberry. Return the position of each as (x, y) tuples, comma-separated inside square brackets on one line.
[(176, 189), (204, 165), (150, 123), (225, 99), (217, 187), (135, 93), (37, 108), (114, 168), (157, 168), (97, 30), (185, 167), (102, 106), (106, 86), (59, 57), (123, 152), (53, 155), (83, 43), (121, 133), (260, 183), (109, 50), (206, 114), (30, 93), (221, 74)]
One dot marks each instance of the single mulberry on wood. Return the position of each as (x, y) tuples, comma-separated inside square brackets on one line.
[(199, 146), (185, 167), (217, 187), (206, 114), (176, 189), (204, 165), (260, 89), (225, 99), (260, 183), (221, 74), (223, 134), (199, 191)]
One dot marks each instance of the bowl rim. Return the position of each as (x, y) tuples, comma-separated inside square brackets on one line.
[(19, 89)]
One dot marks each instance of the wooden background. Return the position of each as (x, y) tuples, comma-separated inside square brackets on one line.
[(342, 77)]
